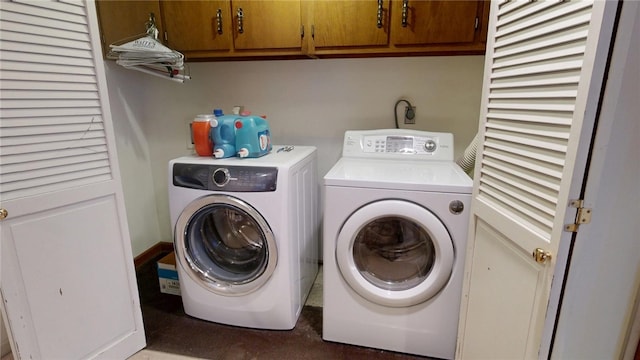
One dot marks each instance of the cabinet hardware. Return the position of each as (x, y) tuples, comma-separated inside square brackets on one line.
[(3, 214), (379, 24), (475, 26), (541, 256), (240, 18), (405, 9), (302, 31), (583, 216), (219, 21)]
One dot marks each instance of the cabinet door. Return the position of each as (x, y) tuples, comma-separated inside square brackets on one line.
[(68, 279), (350, 23), (120, 20), (197, 25), (267, 24), (434, 22)]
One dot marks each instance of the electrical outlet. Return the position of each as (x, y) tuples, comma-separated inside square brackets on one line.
[(410, 115), (189, 135)]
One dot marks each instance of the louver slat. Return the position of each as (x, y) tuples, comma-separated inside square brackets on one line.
[(42, 40), (531, 101), (33, 12), (51, 131), (49, 70), (23, 131), (24, 158), (13, 180), (69, 7), (34, 30), (525, 175), (77, 93), (44, 49), (45, 150), (544, 11)]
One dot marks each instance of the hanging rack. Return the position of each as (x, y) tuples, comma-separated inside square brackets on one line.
[(146, 54)]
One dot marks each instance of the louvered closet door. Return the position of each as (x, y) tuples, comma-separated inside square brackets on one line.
[(67, 278), (543, 75)]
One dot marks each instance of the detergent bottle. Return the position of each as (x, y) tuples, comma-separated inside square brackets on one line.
[(201, 134), (224, 135), (253, 136)]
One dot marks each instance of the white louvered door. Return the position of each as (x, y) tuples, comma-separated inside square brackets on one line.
[(544, 70), (67, 279)]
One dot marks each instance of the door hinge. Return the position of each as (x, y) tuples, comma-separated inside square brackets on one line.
[(583, 216)]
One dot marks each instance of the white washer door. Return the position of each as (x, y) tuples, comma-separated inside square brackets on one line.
[(225, 245), (395, 253)]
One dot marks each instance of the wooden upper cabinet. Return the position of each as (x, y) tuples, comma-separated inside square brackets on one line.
[(125, 20), (197, 25), (267, 25), (225, 29), (427, 22), (350, 23)]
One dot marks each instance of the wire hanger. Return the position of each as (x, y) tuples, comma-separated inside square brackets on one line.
[(146, 54)]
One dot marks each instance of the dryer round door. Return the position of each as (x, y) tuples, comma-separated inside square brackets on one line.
[(395, 253), (225, 245)]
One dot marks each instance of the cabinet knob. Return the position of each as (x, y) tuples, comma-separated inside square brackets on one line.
[(379, 24), (405, 11), (3, 214), (240, 18)]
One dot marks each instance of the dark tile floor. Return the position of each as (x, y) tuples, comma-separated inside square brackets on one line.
[(169, 329)]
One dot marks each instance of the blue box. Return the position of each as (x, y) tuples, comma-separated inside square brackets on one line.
[(168, 275)]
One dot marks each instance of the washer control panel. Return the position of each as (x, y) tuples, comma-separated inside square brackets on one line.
[(225, 178), (398, 143)]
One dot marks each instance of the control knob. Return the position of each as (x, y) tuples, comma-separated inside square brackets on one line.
[(220, 177), (430, 146)]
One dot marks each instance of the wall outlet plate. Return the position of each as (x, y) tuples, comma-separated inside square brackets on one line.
[(409, 115)]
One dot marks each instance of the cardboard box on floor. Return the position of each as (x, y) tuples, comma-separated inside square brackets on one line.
[(168, 275)]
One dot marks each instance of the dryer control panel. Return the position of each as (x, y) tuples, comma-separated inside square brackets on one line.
[(225, 178), (398, 143)]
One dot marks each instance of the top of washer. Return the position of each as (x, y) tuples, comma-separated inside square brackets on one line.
[(280, 156), (399, 159)]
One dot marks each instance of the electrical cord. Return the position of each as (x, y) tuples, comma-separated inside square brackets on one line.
[(408, 114)]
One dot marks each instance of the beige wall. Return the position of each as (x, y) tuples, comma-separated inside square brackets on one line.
[(307, 102)]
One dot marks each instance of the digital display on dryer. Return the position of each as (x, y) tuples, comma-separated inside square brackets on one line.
[(399, 144)]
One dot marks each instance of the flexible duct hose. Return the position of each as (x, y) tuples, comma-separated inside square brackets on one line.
[(468, 159)]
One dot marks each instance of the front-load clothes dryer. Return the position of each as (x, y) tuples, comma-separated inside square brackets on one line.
[(395, 227), (245, 235)]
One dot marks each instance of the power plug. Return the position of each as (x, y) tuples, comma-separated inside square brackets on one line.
[(410, 115)]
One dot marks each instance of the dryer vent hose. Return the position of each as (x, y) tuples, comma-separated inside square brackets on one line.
[(468, 159)]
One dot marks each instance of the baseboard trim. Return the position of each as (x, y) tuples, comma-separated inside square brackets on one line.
[(160, 248)]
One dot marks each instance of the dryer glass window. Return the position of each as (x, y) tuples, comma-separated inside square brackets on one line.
[(394, 253), (226, 245)]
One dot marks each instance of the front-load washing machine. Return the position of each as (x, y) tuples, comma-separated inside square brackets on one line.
[(395, 227), (245, 235)]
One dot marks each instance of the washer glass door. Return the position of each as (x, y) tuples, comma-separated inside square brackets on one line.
[(395, 253), (225, 245)]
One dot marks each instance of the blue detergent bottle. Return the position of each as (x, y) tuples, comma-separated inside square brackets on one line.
[(224, 135), (253, 136)]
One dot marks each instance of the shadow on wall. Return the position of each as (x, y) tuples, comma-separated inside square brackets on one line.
[(5, 347)]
